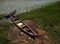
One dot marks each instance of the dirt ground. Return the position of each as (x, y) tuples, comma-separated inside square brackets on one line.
[(15, 35)]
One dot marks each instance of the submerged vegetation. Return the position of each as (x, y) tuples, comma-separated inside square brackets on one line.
[(47, 17)]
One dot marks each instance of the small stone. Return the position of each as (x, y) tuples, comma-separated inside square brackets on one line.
[(46, 36), (29, 38), (22, 33)]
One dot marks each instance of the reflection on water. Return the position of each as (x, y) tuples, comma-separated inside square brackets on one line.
[(20, 5)]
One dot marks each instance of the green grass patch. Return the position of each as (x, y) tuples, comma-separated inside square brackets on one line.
[(3, 32), (47, 17), (49, 13), (1, 16)]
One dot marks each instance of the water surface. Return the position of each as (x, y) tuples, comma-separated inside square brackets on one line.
[(7, 6)]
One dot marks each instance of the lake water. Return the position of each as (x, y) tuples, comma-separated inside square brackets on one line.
[(7, 6)]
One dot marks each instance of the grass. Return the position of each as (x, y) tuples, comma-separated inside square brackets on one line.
[(1, 16), (47, 17), (3, 32)]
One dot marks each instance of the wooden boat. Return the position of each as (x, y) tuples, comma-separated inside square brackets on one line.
[(21, 25)]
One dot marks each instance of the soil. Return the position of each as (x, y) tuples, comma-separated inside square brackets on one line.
[(15, 35)]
